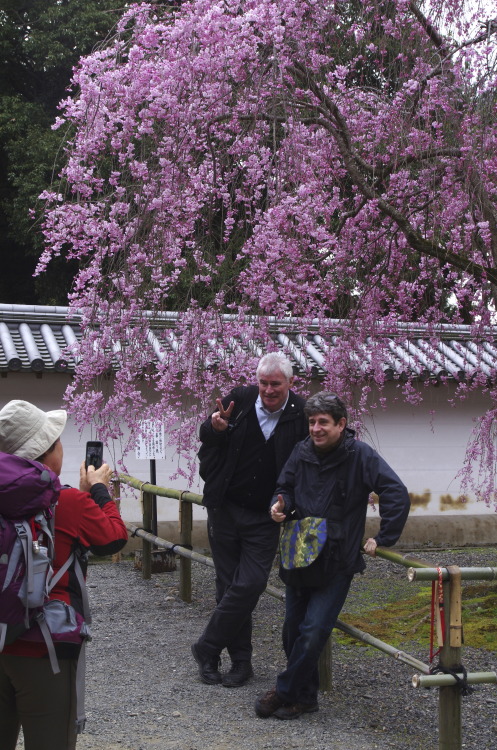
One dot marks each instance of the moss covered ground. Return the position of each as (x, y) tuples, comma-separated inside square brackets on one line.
[(399, 612)]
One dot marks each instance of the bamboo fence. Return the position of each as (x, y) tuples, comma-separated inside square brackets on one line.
[(450, 673)]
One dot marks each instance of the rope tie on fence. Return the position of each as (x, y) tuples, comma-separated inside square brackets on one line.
[(437, 614), (462, 682), (140, 528)]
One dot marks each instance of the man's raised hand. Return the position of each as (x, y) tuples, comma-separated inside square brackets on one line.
[(220, 419)]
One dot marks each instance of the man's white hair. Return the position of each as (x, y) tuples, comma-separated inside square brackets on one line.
[(274, 362)]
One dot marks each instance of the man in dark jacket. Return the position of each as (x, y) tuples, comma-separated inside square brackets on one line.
[(245, 444), (329, 475)]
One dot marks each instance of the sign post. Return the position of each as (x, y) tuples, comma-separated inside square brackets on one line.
[(150, 446)]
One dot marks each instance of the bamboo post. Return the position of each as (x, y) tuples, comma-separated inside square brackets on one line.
[(449, 704), (325, 666), (467, 574), (116, 485), (435, 680), (185, 539), (146, 545)]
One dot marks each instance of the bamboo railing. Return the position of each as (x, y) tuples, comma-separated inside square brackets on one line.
[(449, 713)]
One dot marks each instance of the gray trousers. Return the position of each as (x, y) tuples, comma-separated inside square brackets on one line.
[(42, 703)]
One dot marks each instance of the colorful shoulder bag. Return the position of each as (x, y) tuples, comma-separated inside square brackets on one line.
[(302, 541)]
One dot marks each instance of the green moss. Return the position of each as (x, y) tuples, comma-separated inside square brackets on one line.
[(407, 619)]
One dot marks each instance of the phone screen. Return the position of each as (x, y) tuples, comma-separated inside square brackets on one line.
[(94, 454)]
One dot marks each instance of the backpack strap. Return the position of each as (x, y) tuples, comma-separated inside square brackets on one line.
[(63, 569), (3, 634), (75, 558), (25, 536), (78, 570), (80, 690), (47, 636), (81, 668), (16, 554), (47, 527), (80, 672), (40, 617)]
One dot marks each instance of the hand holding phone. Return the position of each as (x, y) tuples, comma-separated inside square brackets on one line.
[(89, 477), (94, 454)]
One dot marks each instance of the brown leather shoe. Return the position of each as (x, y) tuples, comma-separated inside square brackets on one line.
[(268, 703), (295, 710)]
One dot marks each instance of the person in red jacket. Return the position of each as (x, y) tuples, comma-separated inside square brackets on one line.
[(31, 696)]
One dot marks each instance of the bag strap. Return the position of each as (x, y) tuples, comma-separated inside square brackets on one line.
[(47, 527), (82, 585), (40, 617), (339, 499), (3, 634), (47, 637), (63, 569), (81, 689), (17, 550), (80, 682), (75, 557), (81, 668), (25, 536)]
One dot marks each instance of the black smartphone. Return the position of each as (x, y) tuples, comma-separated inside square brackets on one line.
[(94, 454)]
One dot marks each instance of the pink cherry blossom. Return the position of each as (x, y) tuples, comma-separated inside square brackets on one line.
[(294, 159)]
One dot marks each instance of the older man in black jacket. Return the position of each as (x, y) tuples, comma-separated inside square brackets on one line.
[(245, 444)]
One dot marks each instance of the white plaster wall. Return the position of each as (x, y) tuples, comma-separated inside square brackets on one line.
[(426, 451), (426, 444)]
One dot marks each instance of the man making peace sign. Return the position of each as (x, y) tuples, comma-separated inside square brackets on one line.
[(245, 444)]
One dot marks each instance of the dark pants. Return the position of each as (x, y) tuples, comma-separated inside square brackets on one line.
[(243, 544), (42, 703), (311, 614)]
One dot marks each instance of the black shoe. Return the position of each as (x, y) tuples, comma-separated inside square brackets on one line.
[(239, 674), (208, 666)]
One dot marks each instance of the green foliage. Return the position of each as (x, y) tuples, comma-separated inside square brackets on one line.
[(40, 43)]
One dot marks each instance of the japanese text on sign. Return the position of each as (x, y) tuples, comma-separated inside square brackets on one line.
[(150, 444)]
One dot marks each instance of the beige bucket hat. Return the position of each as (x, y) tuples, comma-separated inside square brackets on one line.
[(28, 431)]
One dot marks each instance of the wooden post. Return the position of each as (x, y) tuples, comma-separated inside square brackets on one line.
[(153, 480), (449, 704), (116, 485), (185, 540), (325, 667), (147, 546)]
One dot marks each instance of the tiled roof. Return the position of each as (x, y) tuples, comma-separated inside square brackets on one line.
[(35, 338)]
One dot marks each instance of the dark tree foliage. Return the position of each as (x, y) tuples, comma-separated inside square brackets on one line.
[(40, 43)]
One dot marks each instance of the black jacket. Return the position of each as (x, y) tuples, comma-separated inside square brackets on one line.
[(219, 452), (338, 487)]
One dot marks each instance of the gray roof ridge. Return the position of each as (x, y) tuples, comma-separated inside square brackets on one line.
[(60, 313)]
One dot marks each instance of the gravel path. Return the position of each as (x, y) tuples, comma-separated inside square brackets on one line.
[(143, 690)]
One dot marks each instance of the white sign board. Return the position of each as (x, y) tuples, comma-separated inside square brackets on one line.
[(150, 444)]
